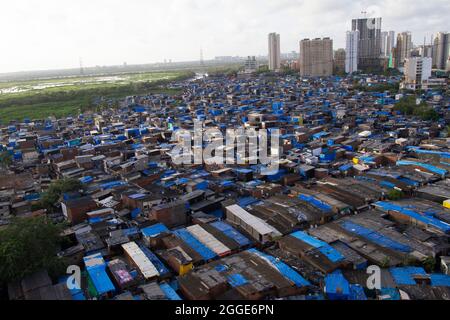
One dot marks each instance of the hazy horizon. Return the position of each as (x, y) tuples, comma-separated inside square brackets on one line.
[(52, 34)]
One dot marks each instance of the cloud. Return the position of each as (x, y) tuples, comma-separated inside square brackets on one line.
[(55, 33)]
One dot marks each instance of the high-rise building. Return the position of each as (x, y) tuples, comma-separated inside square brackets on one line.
[(387, 43), (339, 61), (351, 51), (274, 52), (403, 49), (441, 49), (416, 71), (316, 57), (251, 64), (369, 43)]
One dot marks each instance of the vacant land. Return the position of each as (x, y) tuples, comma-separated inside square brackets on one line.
[(38, 99)]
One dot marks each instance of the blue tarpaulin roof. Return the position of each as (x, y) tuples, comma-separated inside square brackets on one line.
[(154, 230), (98, 274), (196, 245), (232, 233), (336, 286), (405, 275), (432, 221), (236, 280), (169, 292), (331, 253), (426, 166), (283, 268), (374, 236)]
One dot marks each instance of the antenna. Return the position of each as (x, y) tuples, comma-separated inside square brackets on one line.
[(364, 13)]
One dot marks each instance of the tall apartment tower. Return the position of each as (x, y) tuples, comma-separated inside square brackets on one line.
[(351, 51), (441, 48), (404, 47), (387, 43), (316, 57), (274, 52), (369, 43), (339, 61)]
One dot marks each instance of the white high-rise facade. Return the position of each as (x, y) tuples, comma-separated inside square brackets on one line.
[(274, 52), (387, 43), (351, 51), (417, 70)]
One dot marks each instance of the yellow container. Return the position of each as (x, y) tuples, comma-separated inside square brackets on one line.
[(355, 160), (447, 203), (185, 268)]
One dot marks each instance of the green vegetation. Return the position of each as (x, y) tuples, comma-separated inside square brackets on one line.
[(28, 245), (76, 97), (408, 107), (54, 192), (429, 264), (395, 194), (5, 159)]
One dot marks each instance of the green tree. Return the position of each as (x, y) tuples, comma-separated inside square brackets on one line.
[(54, 192), (395, 194), (429, 264), (5, 159), (28, 245)]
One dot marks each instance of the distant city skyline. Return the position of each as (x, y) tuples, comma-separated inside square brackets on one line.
[(52, 34)]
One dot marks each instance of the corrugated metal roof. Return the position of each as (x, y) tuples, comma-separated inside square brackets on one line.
[(140, 259), (208, 240)]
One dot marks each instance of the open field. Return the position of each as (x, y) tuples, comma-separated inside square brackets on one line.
[(38, 99)]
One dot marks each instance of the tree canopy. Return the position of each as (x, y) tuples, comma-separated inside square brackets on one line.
[(54, 192), (28, 245)]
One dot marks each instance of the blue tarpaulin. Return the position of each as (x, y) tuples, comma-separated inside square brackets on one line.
[(405, 275), (98, 275), (236, 280), (232, 233), (196, 245), (432, 221), (169, 292), (154, 230), (331, 253), (374, 236), (336, 286), (283, 268)]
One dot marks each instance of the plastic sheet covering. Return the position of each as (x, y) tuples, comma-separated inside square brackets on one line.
[(336, 286), (169, 292), (283, 268), (432, 221), (440, 280), (196, 245), (405, 275), (232, 233), (331, 253), (357, 292), (374, 236)]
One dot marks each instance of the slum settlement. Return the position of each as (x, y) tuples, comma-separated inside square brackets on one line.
[(358, 184)]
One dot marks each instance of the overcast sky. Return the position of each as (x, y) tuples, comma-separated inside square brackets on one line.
[(51, 34)]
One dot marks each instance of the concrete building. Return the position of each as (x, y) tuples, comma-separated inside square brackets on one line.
[(441, 49), (316, 57), (387, 43), (417, 70), (339, 61), (351, 56), (251, 65), (404, 46), (369, 42), (274, 52)]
